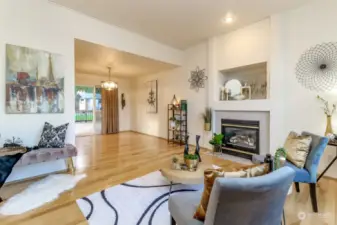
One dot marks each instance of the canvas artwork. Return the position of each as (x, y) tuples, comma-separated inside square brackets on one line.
[(34, 81), (152, 98)]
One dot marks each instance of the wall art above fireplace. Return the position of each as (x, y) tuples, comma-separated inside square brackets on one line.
[(241, 137)]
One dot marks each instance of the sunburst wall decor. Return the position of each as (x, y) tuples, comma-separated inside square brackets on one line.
[(197, 79), (317, 68)]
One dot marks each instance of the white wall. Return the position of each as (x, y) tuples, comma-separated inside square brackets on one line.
[(245, 46), (169, 83), (280, 41), (43, 25), (301, 29), (124, 86)]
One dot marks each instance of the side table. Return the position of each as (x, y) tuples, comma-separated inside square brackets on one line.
[(334, 144)]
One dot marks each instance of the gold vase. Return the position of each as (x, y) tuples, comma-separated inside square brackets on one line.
[(207, 126), (328, 129)]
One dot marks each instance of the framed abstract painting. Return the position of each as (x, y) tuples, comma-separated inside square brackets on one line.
[(34, 81)]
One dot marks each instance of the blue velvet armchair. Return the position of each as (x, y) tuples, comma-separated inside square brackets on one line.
[(309, 173)]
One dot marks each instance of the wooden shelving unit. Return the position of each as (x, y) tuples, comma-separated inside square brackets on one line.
[(177, 134)]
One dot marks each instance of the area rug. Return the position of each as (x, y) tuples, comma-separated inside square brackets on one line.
[(137, 202), (40, 193)]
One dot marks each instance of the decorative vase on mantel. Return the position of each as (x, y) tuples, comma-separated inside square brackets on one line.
[(207, 126), (328, 129)]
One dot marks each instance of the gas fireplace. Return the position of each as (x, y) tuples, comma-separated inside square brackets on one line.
[(241, 137)]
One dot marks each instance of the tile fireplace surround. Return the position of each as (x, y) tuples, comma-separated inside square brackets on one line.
[(261, 116)]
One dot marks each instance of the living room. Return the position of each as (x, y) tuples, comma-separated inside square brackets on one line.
[(273, 53)]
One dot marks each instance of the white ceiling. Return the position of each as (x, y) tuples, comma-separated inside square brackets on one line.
[(94, 59), (179, 23)]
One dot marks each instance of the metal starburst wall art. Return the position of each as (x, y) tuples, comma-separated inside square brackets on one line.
[(317, 68), (197, 79)]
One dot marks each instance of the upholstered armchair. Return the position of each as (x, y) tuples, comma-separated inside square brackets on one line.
[(309, 173), (237, 201)]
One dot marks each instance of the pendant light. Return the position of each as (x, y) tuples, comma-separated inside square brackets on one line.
[(174, 101), (109, 85)]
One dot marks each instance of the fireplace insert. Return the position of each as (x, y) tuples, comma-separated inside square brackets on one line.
[(241, 137)]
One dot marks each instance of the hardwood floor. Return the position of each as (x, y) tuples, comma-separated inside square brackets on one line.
[(112, 159)]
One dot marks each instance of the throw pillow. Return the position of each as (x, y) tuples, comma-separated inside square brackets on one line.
[(297, 148), (53, 137), (211, 174)]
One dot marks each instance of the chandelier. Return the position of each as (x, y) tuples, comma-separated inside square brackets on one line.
[(108, 85)]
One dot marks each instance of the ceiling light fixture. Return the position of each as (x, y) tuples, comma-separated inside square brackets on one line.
[(109, 85), (228, 19)]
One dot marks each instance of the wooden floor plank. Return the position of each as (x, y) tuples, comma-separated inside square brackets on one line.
[(109, 160)]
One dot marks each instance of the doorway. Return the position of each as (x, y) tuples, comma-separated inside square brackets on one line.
[(88, 109)]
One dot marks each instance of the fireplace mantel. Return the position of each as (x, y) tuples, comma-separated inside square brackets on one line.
[(245, 105)]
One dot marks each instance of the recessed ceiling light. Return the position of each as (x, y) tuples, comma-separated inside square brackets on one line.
[(228, 19)]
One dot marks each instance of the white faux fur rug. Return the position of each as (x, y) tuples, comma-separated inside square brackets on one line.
[(40, 193)]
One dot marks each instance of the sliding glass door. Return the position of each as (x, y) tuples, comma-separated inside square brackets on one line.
[(87, 110), (98, 110)]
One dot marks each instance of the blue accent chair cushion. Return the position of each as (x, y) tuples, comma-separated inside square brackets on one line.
[(309, 173), (302, 175), (318, 146)]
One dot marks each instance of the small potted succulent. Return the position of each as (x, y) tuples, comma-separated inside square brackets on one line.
[(207, 115), (191, 161), (280, 158), (175, 163), (216, 142)]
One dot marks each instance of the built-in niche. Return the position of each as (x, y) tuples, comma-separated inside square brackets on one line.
[(244, 83)]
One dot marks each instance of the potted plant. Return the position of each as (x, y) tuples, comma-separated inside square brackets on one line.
[(207, 115), (280, 158), (191, 161), (177, 124), (172, 122), (217, 142)]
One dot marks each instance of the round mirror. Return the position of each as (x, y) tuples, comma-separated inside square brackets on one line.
[(233, 87)]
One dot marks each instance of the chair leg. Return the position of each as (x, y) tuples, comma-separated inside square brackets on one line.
[(313, 197), (173, 222), (297, 186)]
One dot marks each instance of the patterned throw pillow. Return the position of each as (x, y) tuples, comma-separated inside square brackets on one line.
[(211, 174), (297, 147), (53, 137)]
